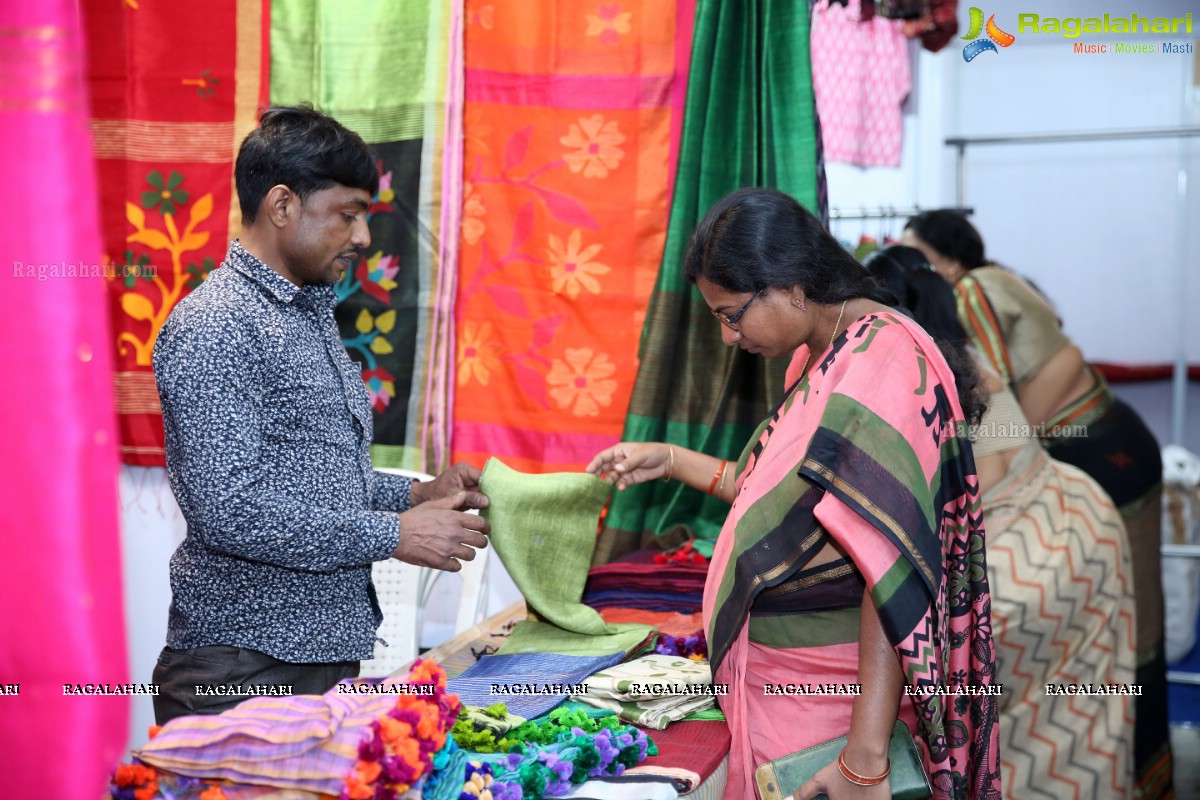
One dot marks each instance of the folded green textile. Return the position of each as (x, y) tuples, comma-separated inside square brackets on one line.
[(650, 677), (591, 711), (653, 691), (708, 715), (544, 531), (498, 721), (541, 637), (656, 714)]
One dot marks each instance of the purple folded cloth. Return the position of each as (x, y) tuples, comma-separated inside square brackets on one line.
[(306, 742)]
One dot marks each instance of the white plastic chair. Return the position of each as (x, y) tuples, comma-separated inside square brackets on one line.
[(404, 591)]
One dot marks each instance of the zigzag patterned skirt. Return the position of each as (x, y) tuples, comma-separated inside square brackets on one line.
[(1063, 612), (1103, 436)]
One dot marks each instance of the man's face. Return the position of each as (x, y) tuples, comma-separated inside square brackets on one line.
[(330, 227)]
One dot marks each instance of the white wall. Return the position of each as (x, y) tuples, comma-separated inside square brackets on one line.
[(152, 526)]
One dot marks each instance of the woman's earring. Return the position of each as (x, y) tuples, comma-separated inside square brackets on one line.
[(798, 304)]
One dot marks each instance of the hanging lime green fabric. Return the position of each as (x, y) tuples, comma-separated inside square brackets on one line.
[(544, 531), (391, 73)]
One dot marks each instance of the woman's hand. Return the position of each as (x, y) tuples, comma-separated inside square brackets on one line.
[(830, 781), (630, 463)]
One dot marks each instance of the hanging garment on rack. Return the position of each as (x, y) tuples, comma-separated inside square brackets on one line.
[(936, 26), (860, 77), (866, 246), (902, 9)]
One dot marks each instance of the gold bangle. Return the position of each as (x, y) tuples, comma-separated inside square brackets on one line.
[(670, 465), (861, 780)]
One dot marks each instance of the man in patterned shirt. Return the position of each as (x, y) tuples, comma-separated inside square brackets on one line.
[(268, 429)]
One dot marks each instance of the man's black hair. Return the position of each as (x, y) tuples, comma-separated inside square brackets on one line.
[(305, 151)]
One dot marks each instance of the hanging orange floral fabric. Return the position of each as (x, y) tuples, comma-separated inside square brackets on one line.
[(166, 123), (571, 112)]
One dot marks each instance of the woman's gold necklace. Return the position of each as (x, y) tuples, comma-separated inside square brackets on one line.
[(832, 339)]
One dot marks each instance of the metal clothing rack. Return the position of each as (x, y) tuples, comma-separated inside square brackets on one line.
[(886, 212), (960, 144), (1180, 373), (1180, 376)]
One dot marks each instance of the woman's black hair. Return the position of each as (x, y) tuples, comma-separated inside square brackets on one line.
[(949, 233), (761, 238), (303, 150), (907, 275)]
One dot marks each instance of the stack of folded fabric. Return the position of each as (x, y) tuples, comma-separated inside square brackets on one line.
[(667, 622), (635, 581), (653, 690), (530, 684), (690, 753), (343, 743), (393, 742)]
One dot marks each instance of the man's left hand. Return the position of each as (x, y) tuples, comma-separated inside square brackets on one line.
[(462, 477)]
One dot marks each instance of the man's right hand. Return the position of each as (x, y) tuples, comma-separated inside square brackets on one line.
[(435, 535)]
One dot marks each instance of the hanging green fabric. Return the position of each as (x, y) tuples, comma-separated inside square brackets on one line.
[(363, 62), (383, 70), (749, 121)]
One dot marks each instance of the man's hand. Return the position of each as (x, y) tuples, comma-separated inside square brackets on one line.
[(462, 478), (435, 534)]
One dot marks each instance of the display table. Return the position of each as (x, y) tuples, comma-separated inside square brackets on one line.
[(462, 650)]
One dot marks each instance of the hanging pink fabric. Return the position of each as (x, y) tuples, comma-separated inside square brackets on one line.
[(860, 77), (62, 620)]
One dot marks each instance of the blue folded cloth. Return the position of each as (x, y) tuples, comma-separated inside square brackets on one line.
[(529, 684)]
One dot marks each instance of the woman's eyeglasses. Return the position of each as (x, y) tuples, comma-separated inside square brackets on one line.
[(732, 319)]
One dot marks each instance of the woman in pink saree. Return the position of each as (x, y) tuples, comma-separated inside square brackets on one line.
[(852, 559)]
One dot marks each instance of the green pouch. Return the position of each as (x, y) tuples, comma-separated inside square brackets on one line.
[(783, 777)]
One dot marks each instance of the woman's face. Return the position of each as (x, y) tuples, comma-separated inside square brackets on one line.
[(765, 323), (949, 268)]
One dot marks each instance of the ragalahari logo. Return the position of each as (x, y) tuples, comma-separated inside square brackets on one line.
[(995, 35)]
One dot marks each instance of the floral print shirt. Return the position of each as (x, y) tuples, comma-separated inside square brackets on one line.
[(268, 430)]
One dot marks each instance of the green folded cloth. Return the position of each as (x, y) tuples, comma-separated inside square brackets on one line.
[(707, 715), (591, 711), (656, 714), (540, 637), (544, 531), (495, 719), (652, 691)]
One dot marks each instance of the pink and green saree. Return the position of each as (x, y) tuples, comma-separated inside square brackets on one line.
[(866, 451)]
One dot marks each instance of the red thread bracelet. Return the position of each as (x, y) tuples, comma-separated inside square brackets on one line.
[(717, 477)]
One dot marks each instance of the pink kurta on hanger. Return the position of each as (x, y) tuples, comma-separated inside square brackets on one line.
[(860, 77)]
